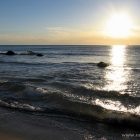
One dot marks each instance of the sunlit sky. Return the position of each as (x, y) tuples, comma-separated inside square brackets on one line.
[(69, 22)]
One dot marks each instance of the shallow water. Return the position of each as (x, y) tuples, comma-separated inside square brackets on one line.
[(66, 81)]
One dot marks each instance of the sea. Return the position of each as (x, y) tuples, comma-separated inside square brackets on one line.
[(66, 84)]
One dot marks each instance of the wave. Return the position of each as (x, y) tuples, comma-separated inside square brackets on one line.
[(19, 106), (68, 99), (136, 70), (27, 63), (77, 110), (111, 100), (59, 53), (47, 63)]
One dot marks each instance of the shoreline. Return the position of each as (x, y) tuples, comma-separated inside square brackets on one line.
[(20, 125), (16, 125)]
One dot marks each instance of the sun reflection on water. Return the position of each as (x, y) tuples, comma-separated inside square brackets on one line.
[(116, 76), (118, 55)]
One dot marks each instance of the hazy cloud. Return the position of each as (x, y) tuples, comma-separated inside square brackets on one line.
[(58, 29), (135, 29)]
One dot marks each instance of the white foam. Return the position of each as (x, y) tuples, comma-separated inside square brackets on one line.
[(116, 106), (21, 106), (3, 81)]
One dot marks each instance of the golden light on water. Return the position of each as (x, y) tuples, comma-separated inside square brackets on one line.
[(115, 80), (118, 55), (116, 76)]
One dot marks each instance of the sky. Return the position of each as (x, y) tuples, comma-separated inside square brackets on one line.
[(69, 22)]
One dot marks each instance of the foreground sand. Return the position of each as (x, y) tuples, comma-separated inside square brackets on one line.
[(7, 136), (15, 125)]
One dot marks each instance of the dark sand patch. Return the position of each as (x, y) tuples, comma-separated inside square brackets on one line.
[(21, 126)]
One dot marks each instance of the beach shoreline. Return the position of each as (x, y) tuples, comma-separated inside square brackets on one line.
[(16, 125), (22, 125)]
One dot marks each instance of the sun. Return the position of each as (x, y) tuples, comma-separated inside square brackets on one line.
[(118, 26)]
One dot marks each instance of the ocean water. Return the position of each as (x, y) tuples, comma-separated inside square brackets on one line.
[(66, 83)]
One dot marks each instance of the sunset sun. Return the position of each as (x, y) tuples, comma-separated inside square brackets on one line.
[(119, 26)]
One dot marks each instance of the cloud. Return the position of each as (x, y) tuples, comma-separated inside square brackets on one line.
[(58, 29), (135, 28), (6, 39), (65, 35)]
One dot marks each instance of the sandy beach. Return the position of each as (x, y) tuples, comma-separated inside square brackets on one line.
[(19, 126)]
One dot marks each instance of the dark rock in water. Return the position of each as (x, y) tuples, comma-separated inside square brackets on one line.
[(39, 54), (10, 53), (30, 53), (102, 64)]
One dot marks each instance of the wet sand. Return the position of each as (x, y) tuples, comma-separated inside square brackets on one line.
[(15, 125)]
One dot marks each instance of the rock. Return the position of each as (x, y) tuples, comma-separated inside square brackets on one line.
[(30, 53), (102, 64), (39, 54), (10, 53)]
